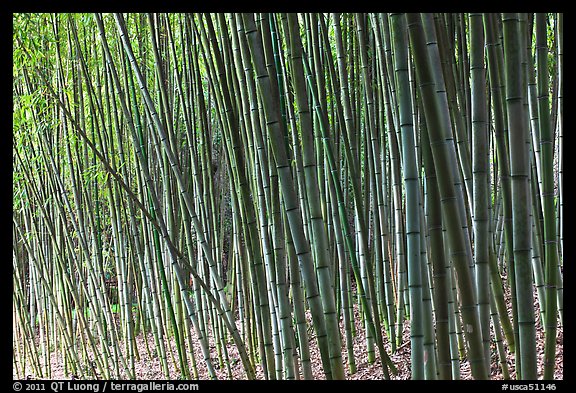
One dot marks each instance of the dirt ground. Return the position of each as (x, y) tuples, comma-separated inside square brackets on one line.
[(149, 367)]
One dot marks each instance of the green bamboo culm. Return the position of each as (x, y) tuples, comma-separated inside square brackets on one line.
[(480, 175), (411, 181), (287, 187), (519, 176), (438, 134), (547, 168)]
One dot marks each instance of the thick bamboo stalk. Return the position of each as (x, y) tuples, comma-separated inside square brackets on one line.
[(442, 153), (519, 174)]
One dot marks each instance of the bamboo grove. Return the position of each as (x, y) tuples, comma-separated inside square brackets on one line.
[(256, 183)]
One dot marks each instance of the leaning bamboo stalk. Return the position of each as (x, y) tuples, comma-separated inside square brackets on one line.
[(320, 238), (246, 205), (519, 177), (438, 257), (458, 243), (494, 60), (373, 324), (189, 206), (287, 188)]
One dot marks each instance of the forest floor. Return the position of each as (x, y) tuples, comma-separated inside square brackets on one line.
[(149, 367)]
